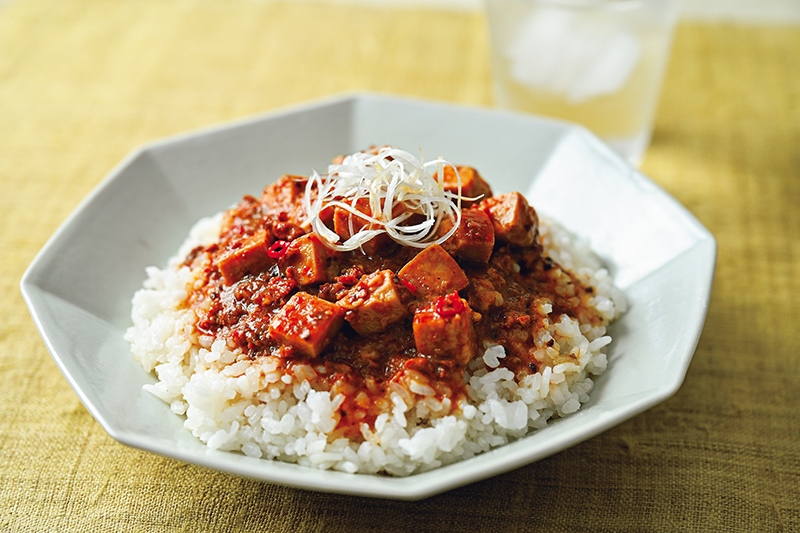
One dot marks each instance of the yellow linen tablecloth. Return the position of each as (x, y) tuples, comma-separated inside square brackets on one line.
[(83, 82)]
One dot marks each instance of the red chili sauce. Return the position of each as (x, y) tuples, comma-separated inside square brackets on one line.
[(386, 312)]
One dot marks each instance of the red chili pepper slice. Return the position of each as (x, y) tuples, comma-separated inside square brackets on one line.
[(411, 288), (347, 279), (278, 249), (418, 363), (449, 306)]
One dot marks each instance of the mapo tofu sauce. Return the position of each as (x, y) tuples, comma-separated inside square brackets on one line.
[(360, 321)]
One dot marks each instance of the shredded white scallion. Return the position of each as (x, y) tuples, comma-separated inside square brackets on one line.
[(396, 186)]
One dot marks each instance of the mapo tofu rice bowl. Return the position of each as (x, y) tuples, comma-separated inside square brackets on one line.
[(386, 317)]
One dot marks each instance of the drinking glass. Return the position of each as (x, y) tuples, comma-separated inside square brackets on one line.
[(599, 63)]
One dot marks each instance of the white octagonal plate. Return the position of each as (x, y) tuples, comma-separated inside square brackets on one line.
[(80, 285)]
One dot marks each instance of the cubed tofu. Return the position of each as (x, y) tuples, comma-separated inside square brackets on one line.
[(374, 303), (282, 207), (307, 261), (449, 337), (472, 184), (347, 224), (514, 220), (433, 272), (284, 192), (249, 257), (307, 323), (240, 216), (473, 240)]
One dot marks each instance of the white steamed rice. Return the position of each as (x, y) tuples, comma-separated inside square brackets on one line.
[(251, 406)]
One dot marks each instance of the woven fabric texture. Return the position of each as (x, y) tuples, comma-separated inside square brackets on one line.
[(83, 82)]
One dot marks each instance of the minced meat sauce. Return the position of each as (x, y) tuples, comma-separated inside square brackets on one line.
[(386, 312)]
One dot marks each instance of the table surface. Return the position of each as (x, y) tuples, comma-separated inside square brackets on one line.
[(83, 82)]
